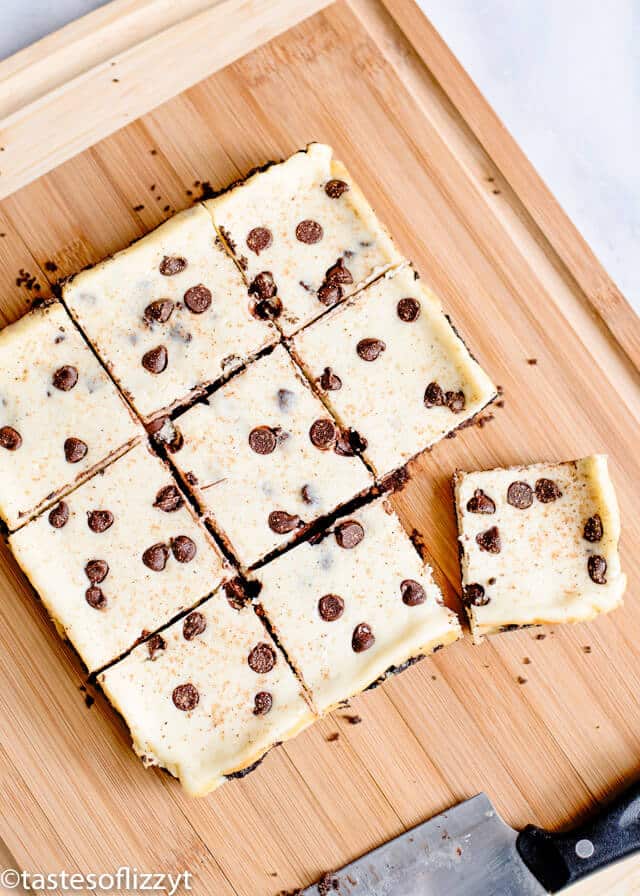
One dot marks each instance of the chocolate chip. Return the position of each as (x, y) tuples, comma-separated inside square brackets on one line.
[(197, 298), (59, 515), (235, 593), (330, 607), (65, 378), (156, 425), (597, 567), (155, 645), (97, 571), (330, 293), (263, 440), (336, 188), (74, 450), (263, 286), (159, 311), (490, 540), (455, 401), (194, 625), (593, 530), (286, 400), (282, 522), (370, 349), (185, 697), (408, 310), (520, 495), (172, 264), (480, 503), (323, 434), (329, 381), (183, 548), (156, 359), (547, 491), (259, 239), (349, 534), (473, 595), (95, 597), (338, 273), (308, 495), (99, 520), (412, 593), (262, 658), (349, 443), (265, 303), (433, 396), (309, 232), (262, 703), (168, 499), (10, 438), (362, 638), (156, 557)]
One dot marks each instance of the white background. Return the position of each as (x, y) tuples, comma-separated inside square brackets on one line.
[(564, 76)]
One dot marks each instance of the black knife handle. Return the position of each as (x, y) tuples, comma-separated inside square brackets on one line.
[(558, 860)]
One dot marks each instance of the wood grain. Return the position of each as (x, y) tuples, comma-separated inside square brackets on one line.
[(378, 85)]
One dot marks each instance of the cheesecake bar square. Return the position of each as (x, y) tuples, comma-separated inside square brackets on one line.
[(304, 235), (60, 414), (169, 315), (264, 459), (354, 605), (118, 557), (538, 544), (390, 365), (208, 696)]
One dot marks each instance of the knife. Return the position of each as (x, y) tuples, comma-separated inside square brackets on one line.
[(470, 851)]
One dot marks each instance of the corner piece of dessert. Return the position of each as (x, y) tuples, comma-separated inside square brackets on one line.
[(538, 544), (304, 235), (61, 417), (390, 365), (207, 697)]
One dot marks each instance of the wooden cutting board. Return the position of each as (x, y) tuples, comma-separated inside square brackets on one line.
[(372, 78)]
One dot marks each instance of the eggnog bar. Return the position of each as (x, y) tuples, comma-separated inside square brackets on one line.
[(538, 544), (390, 365), (354, 605), (304, 235), (208, 696), (264, 459), (60, 414), (119, 557), (170, 314)]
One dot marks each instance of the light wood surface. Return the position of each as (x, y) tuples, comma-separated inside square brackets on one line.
[(466, 206)]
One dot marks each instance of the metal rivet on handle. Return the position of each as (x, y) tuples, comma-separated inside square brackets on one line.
[(584, 849)]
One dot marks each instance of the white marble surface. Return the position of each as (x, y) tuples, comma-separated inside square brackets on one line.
[(564, 76)]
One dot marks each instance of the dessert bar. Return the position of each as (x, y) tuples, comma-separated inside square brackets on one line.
[(538, 544), (60, 414), (119, 557), (355, 604), (304, 236)]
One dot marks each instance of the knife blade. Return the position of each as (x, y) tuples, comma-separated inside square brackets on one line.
[(470, 851), (465, 851)]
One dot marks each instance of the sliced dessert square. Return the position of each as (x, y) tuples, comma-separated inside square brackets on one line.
[(304, 235), (118, 557), (208, 696), (389, 364), (169, 315), (538, 544), (264, 459), (60, 414), (354, 605)]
